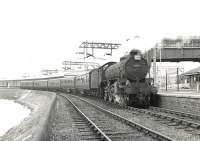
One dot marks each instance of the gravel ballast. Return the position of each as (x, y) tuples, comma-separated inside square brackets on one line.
[(63, 126)]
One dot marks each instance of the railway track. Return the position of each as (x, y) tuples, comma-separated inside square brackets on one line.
[(174, 118), (110, 126), (83, 124), (70, 125), (187, 121), (178, 130), (177, 113)]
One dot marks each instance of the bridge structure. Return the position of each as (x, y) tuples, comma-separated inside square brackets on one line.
[(174, 50), (173, 54)]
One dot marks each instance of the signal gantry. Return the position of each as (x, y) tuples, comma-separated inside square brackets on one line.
[(68, 65), (97, 45)]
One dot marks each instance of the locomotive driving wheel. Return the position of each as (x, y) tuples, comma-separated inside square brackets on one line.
[(147, 99), (123, 99), (118, 95), (105, 96), (106, 93), (110, 98), (111, 94)]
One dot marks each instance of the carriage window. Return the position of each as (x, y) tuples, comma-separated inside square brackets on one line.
[(86, 79), (82, 79)]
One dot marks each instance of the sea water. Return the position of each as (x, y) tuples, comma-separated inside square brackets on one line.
[(11, 114)]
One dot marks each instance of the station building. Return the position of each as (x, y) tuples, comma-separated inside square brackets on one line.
[(192, 78)]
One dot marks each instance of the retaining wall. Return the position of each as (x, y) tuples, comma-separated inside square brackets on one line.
[(42, 129)]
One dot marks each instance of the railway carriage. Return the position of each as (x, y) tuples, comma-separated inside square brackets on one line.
[(54, 84), (82, 83), (67, 84), (27, 84), (41, 84), (3, 83), (13, 84)]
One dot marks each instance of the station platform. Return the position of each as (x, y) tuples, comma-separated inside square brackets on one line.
[(181, 93)]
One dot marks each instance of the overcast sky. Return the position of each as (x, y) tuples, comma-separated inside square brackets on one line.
[(40, 34)]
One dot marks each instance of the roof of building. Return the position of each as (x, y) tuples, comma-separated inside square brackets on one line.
[(193, 71)]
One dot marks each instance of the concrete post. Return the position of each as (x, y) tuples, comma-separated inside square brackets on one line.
[(197, 82), (197, 86)]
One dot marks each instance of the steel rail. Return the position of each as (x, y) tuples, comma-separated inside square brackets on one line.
[(180, 121), (138, 126), (92, 124), (190, 115)]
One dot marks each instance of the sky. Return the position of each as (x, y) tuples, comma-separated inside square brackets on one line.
[(40, 34)]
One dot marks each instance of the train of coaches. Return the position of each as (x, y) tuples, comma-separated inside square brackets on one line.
[(123, 82)]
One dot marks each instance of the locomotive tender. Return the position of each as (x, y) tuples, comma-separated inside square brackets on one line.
[(123, 82)]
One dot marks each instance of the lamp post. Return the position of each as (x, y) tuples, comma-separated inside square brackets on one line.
[(154, 65)]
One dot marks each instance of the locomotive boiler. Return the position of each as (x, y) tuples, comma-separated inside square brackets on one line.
[(125, 82)]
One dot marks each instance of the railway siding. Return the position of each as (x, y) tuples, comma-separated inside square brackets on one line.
[(184, 103)]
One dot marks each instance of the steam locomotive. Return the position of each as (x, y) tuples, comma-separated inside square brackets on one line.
[(124, 82)]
